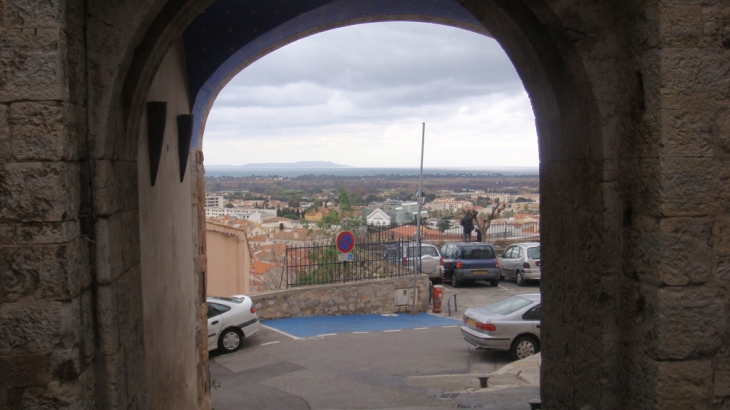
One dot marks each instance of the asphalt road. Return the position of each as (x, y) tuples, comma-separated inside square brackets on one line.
[(403, 368)]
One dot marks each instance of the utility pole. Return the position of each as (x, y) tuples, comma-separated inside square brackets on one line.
[(417, 269)]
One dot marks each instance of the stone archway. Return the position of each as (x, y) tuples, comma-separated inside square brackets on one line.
[(630, 105), (559, 87)]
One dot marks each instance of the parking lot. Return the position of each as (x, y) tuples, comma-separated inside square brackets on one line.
[(379, 364)]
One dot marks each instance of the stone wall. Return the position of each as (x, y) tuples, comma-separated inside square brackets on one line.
[(354, 298), (631, 108)]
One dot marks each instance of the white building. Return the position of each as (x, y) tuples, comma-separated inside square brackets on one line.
[(214, 201), (253, 215), (378, 217)]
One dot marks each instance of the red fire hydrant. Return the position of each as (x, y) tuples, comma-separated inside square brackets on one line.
[(437, 296)]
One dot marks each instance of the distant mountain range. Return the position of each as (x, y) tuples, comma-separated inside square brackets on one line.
[(298, 164)]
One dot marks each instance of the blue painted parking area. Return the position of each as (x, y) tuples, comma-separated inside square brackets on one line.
[(320, 325)]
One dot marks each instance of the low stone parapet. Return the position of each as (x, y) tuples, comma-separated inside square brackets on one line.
[(353, 298)]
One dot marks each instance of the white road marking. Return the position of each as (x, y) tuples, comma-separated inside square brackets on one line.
[(270, 343), (327, 334), (502, 287), (360, 333), (389, 314), (449, 326), (280, 332), (388, 331), (420, 328)]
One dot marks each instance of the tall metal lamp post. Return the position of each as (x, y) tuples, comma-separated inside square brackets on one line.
[(419, 198)]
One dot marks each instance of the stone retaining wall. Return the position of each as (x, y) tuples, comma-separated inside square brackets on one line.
[(367, 297)]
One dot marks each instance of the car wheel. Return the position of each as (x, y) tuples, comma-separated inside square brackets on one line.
[(230, 340), (494, 283), (520, 280), (524, 346), (455, 282)]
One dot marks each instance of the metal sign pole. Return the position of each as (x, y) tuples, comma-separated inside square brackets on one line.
[(418, 222)]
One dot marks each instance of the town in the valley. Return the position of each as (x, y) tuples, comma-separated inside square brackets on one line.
[(255, 218)]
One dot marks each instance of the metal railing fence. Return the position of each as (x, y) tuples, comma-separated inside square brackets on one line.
[(319, 264)]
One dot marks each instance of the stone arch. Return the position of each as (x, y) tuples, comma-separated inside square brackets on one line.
[(563, 81)]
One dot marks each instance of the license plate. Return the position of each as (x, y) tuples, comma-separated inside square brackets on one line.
[(480, 272), (471, 322)]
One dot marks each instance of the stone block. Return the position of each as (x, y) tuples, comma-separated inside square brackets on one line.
[(17, 279), (33, 13), (106, 198), (55, 272), (721, 382), (134, 359), (5, 148), (693, 71), (107, 320), (687, 133), (24, 370), (130, 239), (111, 381), (683, 323), (39, 192), (684, 385), (109, 254), (70, 329), (674, 251), (721, 235), (45, 131), (692, 186), (88, 348), (29, 327), (129, 304), (114, 184), (681, 25), (32, 65), (45, 233)]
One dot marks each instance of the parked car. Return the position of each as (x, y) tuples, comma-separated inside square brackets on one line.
[(468, 262), (431, 262), (511, 324), (230, 319), (521, 261)]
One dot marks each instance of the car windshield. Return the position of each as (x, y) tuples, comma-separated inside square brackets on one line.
[(425, 250), (507, 306), (533, 253), (232, 300), (477, 252)]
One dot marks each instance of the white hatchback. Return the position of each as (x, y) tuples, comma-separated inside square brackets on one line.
[(230, 319)]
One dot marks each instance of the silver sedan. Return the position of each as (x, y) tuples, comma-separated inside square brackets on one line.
[(511, 324)]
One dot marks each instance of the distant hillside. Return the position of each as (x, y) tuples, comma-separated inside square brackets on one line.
[(298, 164)]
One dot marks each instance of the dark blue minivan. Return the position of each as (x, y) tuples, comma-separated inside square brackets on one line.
[(469, 262)]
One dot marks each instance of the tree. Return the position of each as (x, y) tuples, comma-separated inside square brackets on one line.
[(444, 224), (483, 224), (281, 226), (344, 201)]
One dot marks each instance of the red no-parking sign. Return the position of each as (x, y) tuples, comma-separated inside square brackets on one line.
[(345, 241)]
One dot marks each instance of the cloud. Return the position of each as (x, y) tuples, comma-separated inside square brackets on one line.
[(358, 95)]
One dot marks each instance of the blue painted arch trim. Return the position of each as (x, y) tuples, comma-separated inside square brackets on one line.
[(329, 16)]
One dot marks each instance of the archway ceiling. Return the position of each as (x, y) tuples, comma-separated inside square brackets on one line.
[(231, 32)]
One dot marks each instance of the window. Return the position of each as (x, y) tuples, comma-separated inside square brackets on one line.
[(425, 250), (508, 252), (214, 309), (533, 253), (532, 314), (478, 252), (507, 306), (517, 252)]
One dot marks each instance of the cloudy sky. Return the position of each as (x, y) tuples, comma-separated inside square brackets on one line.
[(358, 96)]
